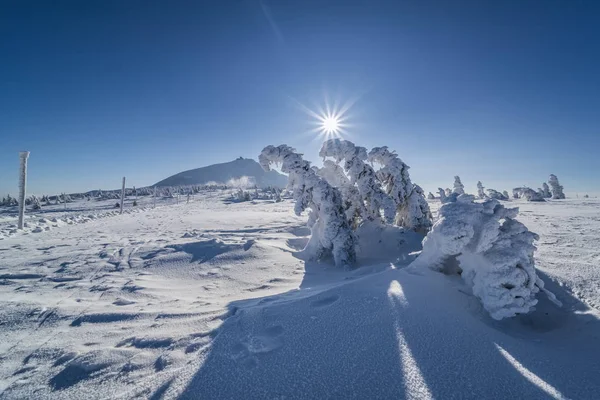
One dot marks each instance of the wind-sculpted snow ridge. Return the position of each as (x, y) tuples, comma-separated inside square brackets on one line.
[(364, 176), (491, 250), (412, 210), (330, 230)]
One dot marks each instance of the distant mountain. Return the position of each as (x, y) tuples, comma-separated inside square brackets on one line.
[(222, 173)]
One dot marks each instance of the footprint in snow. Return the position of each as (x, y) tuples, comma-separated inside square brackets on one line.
[(247, 351)]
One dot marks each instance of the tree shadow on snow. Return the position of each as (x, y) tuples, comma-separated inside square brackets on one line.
[(396, 334)]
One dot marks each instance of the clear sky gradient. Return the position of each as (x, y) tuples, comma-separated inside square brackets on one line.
[(505, 92)]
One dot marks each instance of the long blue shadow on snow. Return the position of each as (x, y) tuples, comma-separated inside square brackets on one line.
[(359, 341)]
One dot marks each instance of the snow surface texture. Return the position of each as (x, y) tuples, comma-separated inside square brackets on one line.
[(208, 300), (492, 251), (331, 233)]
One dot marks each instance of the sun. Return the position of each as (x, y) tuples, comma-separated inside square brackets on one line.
[(330, 124), (329, 120)]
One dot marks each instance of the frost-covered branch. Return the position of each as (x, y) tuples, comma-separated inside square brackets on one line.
[(363, 175), (412, 210), (354, 207)]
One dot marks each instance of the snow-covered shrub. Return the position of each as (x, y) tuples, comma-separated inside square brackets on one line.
[(363, 176), (330, 232), (412, 210), (505, 193), (459, 188), (480, 193), (494, 194), (35, 203), (65, 198), (491, 251), (430, 196), (442, 193), (9, 201), (546, 190), (527, 193), (556, 188)]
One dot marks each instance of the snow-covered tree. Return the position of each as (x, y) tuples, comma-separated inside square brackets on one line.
[(527, 193), (35, 203), (430, 196), (494, 194), (556, 188), (480, 193), (505, 193), (541, 193), (330, 232), (448, 192), (442, 193), (412, 210), (546, 190), (491, 250), (459, 188), (9, 201), (241, 195), (354, 207), (363, 176)]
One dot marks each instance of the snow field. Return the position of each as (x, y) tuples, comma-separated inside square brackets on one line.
[(212, 299)]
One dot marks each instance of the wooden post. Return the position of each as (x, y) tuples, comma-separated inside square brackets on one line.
[(23, 156), (122, 195)]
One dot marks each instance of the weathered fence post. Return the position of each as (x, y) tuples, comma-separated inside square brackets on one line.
[(23, 155), (122, 195)]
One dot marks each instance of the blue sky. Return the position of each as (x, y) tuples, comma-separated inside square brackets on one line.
[(505, 92)]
